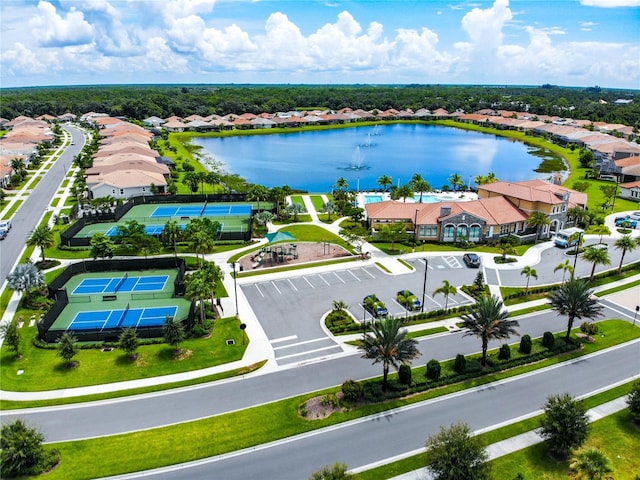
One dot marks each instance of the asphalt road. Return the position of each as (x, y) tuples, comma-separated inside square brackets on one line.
[(393, 433), (190, 403), (28, 216)]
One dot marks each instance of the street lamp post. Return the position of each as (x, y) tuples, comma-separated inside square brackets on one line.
[(575, 260), (424, 284), (635, 315), (235, 286), (415, 230)]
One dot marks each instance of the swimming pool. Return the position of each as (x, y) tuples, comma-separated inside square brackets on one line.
[(427, 198), (373, 198)]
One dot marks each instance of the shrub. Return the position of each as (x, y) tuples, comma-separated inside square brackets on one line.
[(351, 391), (373, 392), (404, 374), (525, 345), (460, 364), (433, 369), (590, 328), (505, 352), (633, 400), (548, 340)]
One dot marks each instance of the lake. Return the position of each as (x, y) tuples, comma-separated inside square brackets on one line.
[(313, 160)]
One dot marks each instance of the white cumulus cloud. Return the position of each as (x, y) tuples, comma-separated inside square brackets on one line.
[(611, 3), (53, 30)]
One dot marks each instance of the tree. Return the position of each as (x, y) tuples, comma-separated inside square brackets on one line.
[(633, 400), (574, 299), (565, 424), (41, 237), (579, 214), (128, 231), (590, 464), (264, 217), (339, 305), (25, 278), (145, 243), (456, 181), (342, 183), (201, 242), (258, 193), (586, 157), (356, 236), (101, 246), (67, 347), (385, 181), (487, 320), (565, 267), (627, 244), (609, 192), (128, 342), (388, 344), (580, 187), (191, 180), (172, 233), (212, 178), (173, 333), (336, 472), (329, 208), (446, 289), (9, 332), (538, 220), (455, 454), (596, 256), (419, 184), (213, 276), (529, 272), (403, 192), (392, 233), (21, 448), (295, 209)]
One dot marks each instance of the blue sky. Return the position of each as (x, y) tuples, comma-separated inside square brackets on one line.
[(525, 42)]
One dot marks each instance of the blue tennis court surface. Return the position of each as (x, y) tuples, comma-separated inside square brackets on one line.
[(93, 286), (205, 211), (134, 317)]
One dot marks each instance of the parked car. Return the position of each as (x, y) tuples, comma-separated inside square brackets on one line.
[(635, 216), (471, 260), (627, 222), (407, 296), (5, 225), (3, 234), (375, 306)]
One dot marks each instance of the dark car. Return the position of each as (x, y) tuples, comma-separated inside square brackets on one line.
[(407, 296), (374, 306), (471, 260)]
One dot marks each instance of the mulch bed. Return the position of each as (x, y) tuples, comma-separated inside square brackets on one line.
[(306, 252)]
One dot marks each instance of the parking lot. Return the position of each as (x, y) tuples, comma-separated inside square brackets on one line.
[(290, 309)]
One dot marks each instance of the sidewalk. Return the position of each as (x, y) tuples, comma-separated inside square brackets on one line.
[(513, 444)]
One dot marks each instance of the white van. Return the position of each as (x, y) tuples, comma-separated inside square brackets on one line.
[(5, 225), (563, 237)]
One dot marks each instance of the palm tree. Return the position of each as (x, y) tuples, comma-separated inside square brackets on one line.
[(342, 183), (419, 184), (385, 181), (487, 320), (579, 214), (295, 209), (329, 208), (212, 178), (529, 272), (25, 278), (601, 230), (446, 289), (627, 244), (597, 256), (172, 233), (564, 266), (42, 237), (591, 464), (213, 275), (538, 220), (456, 181), (258, 193), (339, 305), (574, 300), (196, 288), (404, 192), (201, 243), (389, 345)]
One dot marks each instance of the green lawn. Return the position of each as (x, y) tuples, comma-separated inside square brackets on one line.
[(297, 199), (44, 370), (615, 436), (12, 210), (318, 203)]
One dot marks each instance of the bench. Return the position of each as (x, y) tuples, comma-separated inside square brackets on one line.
[(109, 298)]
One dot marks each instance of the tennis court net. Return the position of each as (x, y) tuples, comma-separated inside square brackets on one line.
[(124, 314), (203, 208), (121, 282)]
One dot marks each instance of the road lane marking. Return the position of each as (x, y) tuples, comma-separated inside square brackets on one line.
[(307, 352), (301, 343), (292, 285), (307, 280), (322, 278), (276, 287), (367, 272), (283, 339), (338, 277), (354, 275)]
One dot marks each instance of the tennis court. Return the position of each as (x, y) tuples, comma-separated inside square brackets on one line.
[(93, 286), (204, 210), (148, 229), (128, 317)]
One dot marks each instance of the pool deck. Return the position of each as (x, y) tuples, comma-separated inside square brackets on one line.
[(361, 197)]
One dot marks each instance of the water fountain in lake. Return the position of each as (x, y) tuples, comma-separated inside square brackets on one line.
[(357, 161), (368, 142)]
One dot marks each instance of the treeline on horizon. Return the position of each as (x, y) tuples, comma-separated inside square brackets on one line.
[(142, 101)]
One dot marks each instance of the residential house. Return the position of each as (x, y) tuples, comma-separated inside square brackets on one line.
[(125, 183), (631, 191)]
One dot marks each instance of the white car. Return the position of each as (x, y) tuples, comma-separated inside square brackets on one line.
[(635, 216)]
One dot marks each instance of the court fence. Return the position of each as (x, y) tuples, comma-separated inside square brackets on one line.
[(61, 298), (68, 236)]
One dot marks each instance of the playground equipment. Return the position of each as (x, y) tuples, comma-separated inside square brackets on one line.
[(275, 254)]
